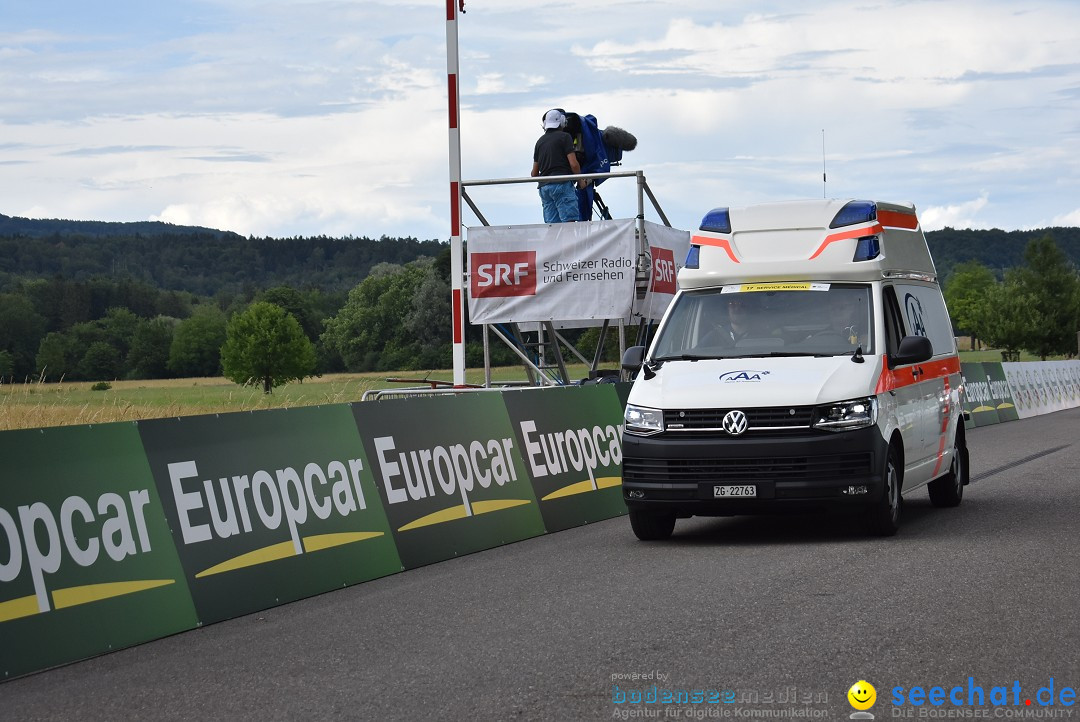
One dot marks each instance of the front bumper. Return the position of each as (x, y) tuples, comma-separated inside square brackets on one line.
[(673, 472)]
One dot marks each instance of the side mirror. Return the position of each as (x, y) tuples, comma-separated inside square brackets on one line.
[(632, 358), (913, 350)]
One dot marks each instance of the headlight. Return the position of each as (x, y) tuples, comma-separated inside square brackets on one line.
[(845, 415), (640, 420)]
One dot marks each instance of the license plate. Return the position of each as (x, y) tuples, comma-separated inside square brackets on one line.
[(744, 491)]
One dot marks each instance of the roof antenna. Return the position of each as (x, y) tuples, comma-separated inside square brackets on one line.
[(823, 163)]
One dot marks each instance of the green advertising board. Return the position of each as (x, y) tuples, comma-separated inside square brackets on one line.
[(87, 564), (977, 400), (269, 507), (987, 395), (1000, 392), (450, 474), (571, 442), (118, 534)]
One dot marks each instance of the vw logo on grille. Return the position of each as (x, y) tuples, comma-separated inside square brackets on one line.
[(734, 422)]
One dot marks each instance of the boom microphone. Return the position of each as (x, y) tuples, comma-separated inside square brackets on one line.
[(619, 138)]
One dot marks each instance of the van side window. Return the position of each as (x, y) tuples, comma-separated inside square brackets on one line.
[(894, 327), (924, 314)]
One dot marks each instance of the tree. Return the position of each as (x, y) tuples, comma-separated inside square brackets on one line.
[(7, 366), (196, 344), (266, 345), (149, 354), (21, 331), (369, 332), (295, 304), (101, 361), (1051, 288), (1008, 315), (967, 295), (54, 359), (119, 325)]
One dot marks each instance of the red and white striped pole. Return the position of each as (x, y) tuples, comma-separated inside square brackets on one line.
[(457, 301)]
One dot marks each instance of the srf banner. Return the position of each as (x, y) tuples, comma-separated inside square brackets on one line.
[(667, 251), (556, 272)]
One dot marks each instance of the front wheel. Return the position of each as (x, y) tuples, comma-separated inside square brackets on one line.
[(948, 490), (651, 525), (884, 519)]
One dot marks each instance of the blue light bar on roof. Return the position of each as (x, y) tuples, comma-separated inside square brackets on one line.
[(855, 212), (718, 220)]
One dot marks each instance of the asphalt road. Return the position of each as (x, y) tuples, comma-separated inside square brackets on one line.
[(786, 613)]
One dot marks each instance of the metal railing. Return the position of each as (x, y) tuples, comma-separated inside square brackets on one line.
[(537, 371)]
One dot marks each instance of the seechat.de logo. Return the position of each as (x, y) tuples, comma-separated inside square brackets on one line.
[(663, 277), (511, 273)]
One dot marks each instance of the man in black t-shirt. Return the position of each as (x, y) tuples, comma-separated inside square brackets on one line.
[(554, 155)]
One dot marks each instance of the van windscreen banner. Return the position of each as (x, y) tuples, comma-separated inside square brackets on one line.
[(556, 272)]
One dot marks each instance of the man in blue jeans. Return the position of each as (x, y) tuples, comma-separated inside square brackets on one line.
[(554, 155)]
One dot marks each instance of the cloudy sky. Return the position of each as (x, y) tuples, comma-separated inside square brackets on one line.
[(305, 117)]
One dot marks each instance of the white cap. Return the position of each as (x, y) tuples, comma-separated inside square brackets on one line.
[(554, 119)]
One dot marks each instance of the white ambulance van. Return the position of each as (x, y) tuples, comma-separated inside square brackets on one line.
[(807, 362)]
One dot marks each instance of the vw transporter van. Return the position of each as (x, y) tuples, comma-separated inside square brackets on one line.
[(807, 362)]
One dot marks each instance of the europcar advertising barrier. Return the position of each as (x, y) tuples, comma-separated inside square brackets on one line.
[(118, 534), (987, 397), (997, 392), (1044, 386), (87, 563), (449, 474), (268, 507), (575, 461)]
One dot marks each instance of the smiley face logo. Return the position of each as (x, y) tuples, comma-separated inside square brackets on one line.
[(862, 695)]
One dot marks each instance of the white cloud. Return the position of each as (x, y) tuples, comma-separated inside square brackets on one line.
[(308, 117), (960, 215), (1065, 219)]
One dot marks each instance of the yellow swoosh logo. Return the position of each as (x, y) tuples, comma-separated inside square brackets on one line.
[(283, 550), (18, 608), (74, 596), (584, 487), (458, 512)]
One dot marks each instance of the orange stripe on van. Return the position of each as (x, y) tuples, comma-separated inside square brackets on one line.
[(946, 408), (892, 379), (898, 219), (715, 242), (844, 235)]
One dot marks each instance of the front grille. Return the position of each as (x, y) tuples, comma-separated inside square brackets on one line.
[(835, 467), (782, 418)]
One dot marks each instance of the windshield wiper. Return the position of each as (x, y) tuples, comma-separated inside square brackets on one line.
[(782, 354), (690, 357)]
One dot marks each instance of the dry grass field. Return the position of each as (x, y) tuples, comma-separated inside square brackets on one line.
[(37, 405)]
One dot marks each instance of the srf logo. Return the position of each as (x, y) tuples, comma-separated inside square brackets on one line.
[(663, 277), (511, 273)]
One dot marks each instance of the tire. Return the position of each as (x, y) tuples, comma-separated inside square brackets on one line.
[(651, 525), (884, 517), (948, 490)]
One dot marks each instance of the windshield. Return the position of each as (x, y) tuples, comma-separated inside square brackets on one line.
[(780, 319)]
